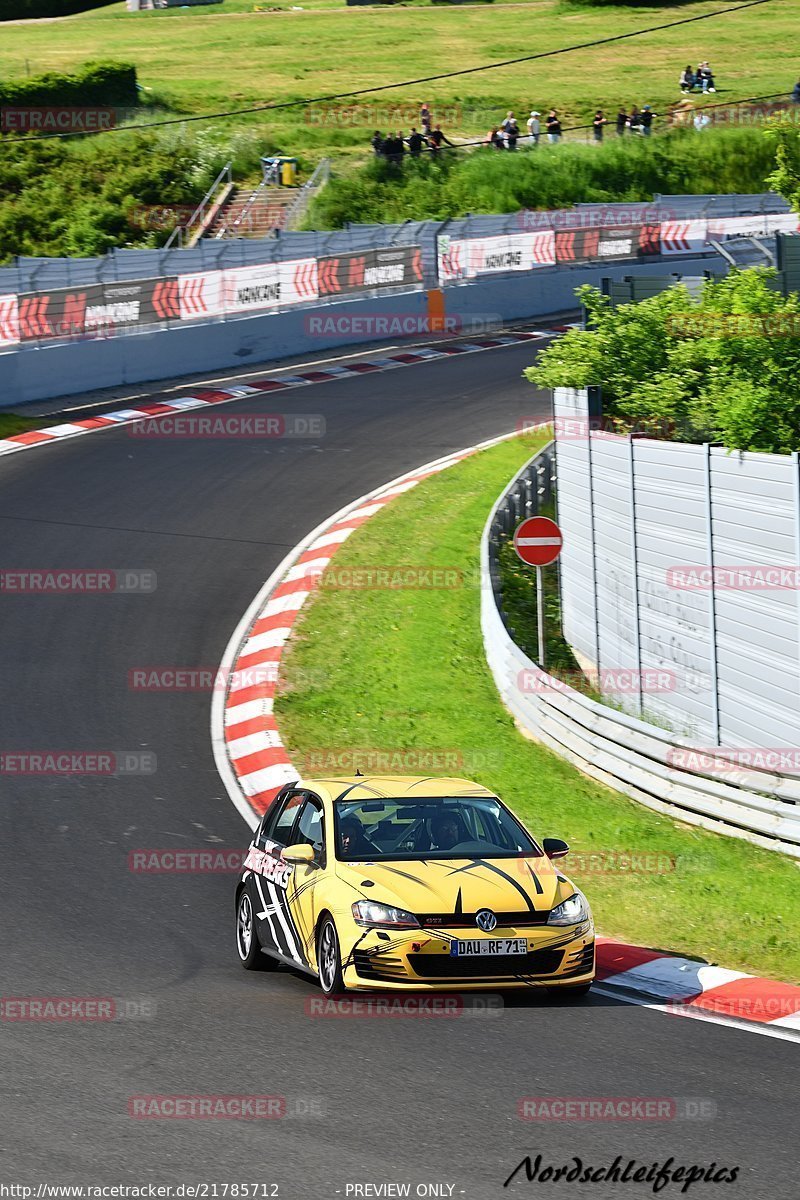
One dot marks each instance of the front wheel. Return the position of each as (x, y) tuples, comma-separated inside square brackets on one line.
[(248, 946), (329, 959)]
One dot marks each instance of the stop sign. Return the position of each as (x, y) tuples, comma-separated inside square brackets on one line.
[(538, 541)]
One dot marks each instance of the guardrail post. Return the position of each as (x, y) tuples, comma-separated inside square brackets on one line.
[(796, 502), (635, 573), (712, 601), (593, 533)]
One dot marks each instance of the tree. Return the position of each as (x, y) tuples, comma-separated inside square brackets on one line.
[(724, 367)]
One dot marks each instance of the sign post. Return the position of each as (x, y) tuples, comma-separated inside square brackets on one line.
[(538, 542)]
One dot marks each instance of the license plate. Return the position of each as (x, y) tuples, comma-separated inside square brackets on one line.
[(488, 946)]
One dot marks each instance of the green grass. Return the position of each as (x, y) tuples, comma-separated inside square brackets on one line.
[(10, 424), (185, 57), (406, 669)]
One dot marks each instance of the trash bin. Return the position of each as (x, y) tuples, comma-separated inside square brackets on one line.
[(289, 172)]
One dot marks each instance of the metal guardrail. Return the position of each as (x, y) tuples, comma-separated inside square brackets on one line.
[(180, 231), (271, 177), (295, 211), (35, 274), (624, 753)]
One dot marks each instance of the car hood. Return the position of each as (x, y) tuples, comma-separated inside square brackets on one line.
[(460, 885)]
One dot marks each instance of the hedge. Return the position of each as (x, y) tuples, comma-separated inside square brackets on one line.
[(16, 10), (100, 83)]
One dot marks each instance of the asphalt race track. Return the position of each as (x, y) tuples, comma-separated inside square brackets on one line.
[(370, 1101)]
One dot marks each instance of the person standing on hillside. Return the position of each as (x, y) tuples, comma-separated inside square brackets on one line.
[(534, 128), (635, 120), (511, 129), (553, 127), (796, 92), (598, 121), (377, 143), (415, 142), (436, 139), (622, 122), (647, 120), (425, 118)]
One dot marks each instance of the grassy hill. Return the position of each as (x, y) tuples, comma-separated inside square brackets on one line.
[(205, 59)]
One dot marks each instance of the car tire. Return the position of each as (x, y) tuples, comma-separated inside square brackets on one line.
[(248, 947), (329, 959)]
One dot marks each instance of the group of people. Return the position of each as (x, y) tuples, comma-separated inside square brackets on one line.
[(702, 78), (506, 135), (394, 146)]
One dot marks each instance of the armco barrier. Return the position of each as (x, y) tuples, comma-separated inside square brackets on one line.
[(624, 753), (35, 371)]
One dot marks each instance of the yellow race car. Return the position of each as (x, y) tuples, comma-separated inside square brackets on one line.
[(373, 883)]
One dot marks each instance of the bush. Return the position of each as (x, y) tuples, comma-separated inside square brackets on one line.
[(723, 368), (109, 84), (13, 10), (456, 183), (82, 196)]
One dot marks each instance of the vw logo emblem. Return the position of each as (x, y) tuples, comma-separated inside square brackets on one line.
[(486, 920)]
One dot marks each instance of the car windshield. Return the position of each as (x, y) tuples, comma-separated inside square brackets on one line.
[(450, 827)]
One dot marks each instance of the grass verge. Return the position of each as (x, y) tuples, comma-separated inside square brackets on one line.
[(406, 670), (10, 424)]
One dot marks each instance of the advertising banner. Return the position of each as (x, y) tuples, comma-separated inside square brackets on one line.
[(270, 285), (684, 237), (9, 321), (97, 310), (609, 242), (466, 258), (389, 267)]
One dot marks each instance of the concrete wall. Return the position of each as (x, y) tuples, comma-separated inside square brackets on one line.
[(71, 368)]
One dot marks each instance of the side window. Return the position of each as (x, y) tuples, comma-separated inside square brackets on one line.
[(279, 824), (310, 828)]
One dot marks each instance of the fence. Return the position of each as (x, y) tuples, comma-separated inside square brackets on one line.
[(46, 300), (701, 786)]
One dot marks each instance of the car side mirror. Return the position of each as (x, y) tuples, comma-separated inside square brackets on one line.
[(299, 854), (555, 847)]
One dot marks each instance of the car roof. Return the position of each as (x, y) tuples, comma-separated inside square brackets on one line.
[(380, 787)]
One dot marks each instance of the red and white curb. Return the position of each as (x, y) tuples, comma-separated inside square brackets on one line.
[(686, 988), (210, 396), (250, 756), (254, 764)]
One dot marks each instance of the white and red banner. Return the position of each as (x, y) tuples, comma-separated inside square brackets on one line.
[(682, 237), (465, 258), (759, 225), (9, 321), (248, 289)]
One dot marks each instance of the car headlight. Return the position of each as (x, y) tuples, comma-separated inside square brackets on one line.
[(569, 912), (367, 912)]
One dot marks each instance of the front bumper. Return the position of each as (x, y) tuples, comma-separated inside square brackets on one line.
[(422, 959)]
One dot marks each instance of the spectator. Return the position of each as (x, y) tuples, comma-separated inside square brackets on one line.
[(415, 141), (435, 139), (688, 79), (705, 77), (598, 122), (647, 120), (495, 138), (377, 143), (553, 127), (796, 92), (534, 128), (635, 120), (700, 121), (425, 118), (622, 122), (394, 148), (511, 131)]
